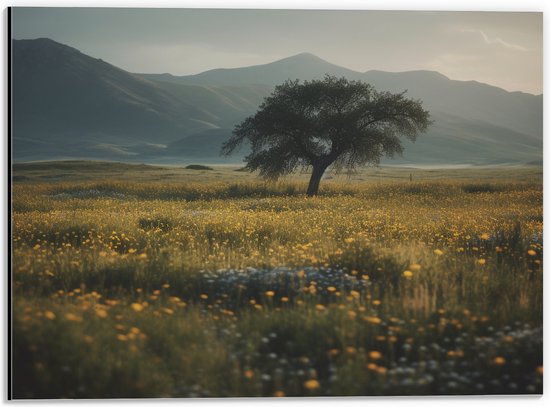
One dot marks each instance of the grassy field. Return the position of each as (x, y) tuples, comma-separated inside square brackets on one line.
[(141, 281)]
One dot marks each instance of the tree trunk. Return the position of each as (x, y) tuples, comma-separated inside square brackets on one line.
[(315, 179)]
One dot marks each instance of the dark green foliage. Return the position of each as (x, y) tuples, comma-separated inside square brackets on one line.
[(161, 223), (479, 188), (198, 167), (333, 122)]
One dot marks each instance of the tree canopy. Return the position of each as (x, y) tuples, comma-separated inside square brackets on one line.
[(331, 122)]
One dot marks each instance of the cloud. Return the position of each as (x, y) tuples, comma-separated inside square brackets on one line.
[(492, 41), (500, 41)]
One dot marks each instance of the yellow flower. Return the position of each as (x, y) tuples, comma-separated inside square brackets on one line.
[(331, 289), (373, 320), (312, 384), (49, 315), (531, 252), (375, 355), (279, 393), (69, 316), (485, 236), (438, 252), (415, 267), (204, 296), (481, 261), (101, 313), (137, 307), (320, 307), (349, 240), (132, 251), (407, 274), (499, 361), (269, 293)]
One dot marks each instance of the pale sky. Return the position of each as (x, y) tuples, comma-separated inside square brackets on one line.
[(498, 48)]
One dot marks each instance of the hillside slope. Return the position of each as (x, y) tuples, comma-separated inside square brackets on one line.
[(67, 104)]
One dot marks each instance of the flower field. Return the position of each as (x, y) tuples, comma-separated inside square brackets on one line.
[(225, 286)]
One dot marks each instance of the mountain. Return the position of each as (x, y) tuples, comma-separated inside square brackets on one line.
[(301, 66), (67, 104), (473, 122), (205, 144), (59, 90), (470, 100)]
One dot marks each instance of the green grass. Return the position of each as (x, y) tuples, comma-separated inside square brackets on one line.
[(137, 281)]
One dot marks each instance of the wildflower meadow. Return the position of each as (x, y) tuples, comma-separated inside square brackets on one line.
[(140, 281)]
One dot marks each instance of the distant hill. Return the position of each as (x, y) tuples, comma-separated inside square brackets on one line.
[(58, 90), (469, 100), (69, 105), (301, 66)]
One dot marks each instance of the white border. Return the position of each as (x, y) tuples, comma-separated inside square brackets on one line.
[(450, 5)]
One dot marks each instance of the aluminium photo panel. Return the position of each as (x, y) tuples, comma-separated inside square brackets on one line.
[(221, 203)]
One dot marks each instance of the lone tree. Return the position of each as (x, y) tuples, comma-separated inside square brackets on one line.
[(327, 122)]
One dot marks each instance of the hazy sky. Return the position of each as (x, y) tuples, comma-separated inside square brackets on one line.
[(502, 49)]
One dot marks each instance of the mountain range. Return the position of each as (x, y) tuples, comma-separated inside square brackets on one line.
[(67, 104)]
